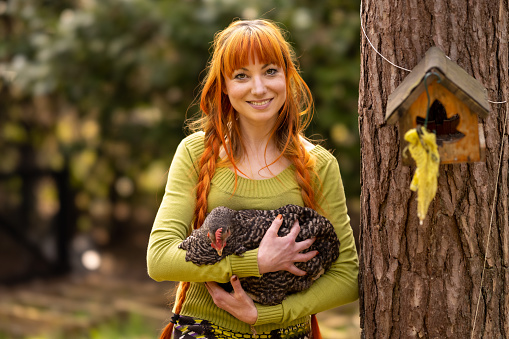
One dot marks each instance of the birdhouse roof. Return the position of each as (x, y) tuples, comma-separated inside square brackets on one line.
[(453, 77)]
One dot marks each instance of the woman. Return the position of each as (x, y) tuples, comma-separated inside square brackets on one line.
[(250, 153)]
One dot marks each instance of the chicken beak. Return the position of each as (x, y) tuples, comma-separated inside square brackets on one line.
[(219, 251)]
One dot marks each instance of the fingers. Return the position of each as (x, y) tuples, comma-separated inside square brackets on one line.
[(303, 257), (305, 244), (218, 294), (294, 232), (237, 287), (238, 303), (214, 287), (296, 271), (211, 287), (280, 253), (276, 225)]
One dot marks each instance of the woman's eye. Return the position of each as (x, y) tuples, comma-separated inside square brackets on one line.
[(271, 71), (240, 76)]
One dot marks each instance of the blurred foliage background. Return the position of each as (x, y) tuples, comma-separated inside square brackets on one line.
[(93, 99)]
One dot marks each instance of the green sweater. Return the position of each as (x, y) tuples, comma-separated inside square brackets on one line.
[(166, 261)]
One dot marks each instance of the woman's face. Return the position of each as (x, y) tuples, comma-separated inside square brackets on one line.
[(257, 92)]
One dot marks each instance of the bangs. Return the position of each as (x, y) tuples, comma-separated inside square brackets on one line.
[(245, 44)]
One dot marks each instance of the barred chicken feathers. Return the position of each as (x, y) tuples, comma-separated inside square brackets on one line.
[(247, 229)]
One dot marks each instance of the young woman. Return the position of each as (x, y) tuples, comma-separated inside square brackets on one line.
[(249, 152)]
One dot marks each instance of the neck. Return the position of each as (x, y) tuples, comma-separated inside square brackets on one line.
[(256, 145), (256, 135), (260, 151)]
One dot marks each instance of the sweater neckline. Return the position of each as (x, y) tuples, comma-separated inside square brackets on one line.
[(285, 180)]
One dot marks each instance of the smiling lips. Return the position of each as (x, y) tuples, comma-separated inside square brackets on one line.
[(260, 103)]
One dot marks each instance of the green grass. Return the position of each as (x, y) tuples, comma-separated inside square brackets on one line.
[(135, 327), (130, 326)]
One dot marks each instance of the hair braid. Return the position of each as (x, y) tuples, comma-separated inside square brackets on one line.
[(207, 169), (304, 164), (207, 165)]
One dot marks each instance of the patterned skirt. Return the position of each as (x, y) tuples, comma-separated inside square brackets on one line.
[(193, 328)]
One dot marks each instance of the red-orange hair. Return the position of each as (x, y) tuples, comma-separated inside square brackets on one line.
[(232, 50)]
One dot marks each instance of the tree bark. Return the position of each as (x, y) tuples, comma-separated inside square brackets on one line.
[(424, 281)]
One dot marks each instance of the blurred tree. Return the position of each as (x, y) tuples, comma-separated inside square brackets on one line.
[(100, 90)]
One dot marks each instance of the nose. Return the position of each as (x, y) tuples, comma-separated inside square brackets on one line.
[(259, 87)]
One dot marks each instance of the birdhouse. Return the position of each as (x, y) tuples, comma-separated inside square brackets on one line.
[(452, 101)]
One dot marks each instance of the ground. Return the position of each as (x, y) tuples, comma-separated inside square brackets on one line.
[(111, 303)]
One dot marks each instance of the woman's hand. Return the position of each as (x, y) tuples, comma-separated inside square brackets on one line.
[(237, 303), (281, 253)]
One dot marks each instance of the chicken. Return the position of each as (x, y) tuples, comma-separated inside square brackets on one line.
[(226, 232)]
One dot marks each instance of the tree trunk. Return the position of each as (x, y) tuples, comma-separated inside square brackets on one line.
[(424, 281)]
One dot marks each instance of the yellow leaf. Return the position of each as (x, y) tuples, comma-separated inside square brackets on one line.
[(423, 149)]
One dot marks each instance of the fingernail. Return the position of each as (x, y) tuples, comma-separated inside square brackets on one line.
[(234, 278), (280, 216)]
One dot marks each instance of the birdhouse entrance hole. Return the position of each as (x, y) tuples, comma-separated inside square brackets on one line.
[(444, 128)]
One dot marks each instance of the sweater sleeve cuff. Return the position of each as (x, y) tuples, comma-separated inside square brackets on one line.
[(245, 265), (269, 314)]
